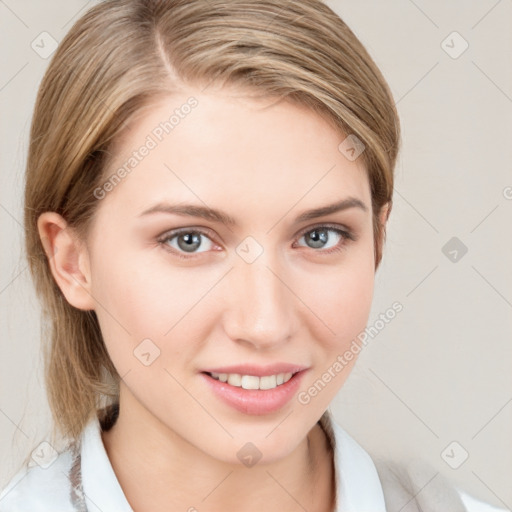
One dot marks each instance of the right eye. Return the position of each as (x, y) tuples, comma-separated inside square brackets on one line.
[(186, 241)]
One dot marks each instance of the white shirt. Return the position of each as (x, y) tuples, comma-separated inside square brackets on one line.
[(82, 479)]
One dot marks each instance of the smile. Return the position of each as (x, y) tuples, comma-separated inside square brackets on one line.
[(252, 381)]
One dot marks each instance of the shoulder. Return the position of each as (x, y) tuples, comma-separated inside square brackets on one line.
[(420, 484), (78, 476), (474, 505), (391, 485), (43, 486)]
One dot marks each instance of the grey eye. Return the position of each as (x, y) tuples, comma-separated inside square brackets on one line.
[(189, 241), (318, 237)]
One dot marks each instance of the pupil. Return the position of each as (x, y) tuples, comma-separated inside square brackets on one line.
[(318, 237), (192, 241)]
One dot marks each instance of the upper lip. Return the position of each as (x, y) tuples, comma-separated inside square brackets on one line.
[(258, 371)]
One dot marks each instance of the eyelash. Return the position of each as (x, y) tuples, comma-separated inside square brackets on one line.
[(347, 235)]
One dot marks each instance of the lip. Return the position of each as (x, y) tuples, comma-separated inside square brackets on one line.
[(256, 401)]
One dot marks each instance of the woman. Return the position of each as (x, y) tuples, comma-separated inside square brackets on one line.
[(208, 186)]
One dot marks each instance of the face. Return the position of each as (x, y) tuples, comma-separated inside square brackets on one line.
[(204, 267)]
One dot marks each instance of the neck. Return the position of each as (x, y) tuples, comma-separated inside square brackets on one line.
[(162, 471)]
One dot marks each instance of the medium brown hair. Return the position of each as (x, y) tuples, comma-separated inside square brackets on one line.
[(118, 58)]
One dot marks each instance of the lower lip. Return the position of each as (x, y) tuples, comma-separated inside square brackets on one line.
[(255, 401)]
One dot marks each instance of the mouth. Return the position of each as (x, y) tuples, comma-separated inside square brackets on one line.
[(255, 390)]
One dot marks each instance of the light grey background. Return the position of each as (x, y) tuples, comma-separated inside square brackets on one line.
[(441, 370)]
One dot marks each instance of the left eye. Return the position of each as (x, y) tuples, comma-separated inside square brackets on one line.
[(322, 237)]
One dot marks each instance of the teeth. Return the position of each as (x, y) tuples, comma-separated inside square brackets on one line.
[(268, 382), (234, 379), (251, 381)]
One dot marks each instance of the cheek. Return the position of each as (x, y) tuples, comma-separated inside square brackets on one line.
[(147, 298), (341, 298), (343, 304), (349, 301)]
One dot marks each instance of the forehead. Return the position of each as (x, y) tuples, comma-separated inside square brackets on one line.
[(228, 150)]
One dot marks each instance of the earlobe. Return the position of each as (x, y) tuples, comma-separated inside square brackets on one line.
[(68, 259)]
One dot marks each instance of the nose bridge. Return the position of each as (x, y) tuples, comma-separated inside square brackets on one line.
[(261, 305)]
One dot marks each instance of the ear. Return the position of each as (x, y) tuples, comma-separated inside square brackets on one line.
[(381, 232), (68, 259), (384, 215)]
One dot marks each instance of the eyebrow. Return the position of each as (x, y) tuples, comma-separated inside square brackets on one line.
[(214, 215)]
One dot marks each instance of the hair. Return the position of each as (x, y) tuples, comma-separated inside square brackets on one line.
[(121, 56)]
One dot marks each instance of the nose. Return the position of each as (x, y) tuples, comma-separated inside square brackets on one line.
[(260, 309)]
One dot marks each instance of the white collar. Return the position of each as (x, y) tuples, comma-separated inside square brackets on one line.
[(102, 491), (357, 483)]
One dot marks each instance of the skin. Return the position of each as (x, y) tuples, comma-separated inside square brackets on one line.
[(263, 162)]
